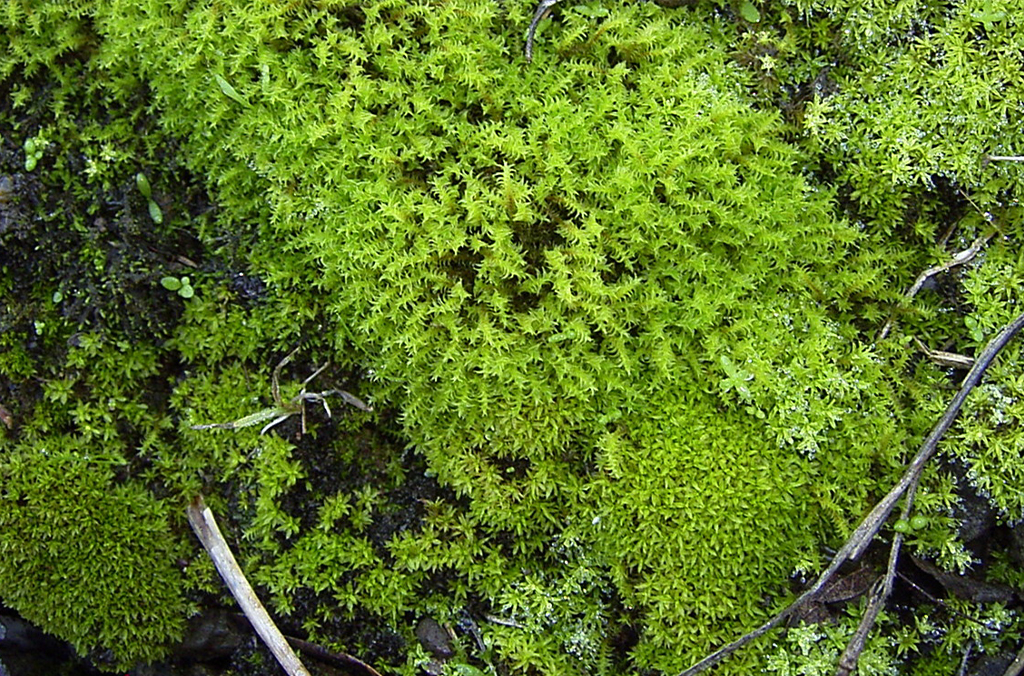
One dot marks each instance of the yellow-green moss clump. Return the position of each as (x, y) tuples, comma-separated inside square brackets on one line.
[(617, 320), (597, 285), (85, 553)]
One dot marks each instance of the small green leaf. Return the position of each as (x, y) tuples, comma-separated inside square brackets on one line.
[(749, 12), (975, 328), (155, 213), (171, 283), (918, 522), (143, 184), (901, 526), (186, 291), (30, 146), (592, 11), (30, 162), (229, 91), (988, 15), (467, 670), (57, 296)]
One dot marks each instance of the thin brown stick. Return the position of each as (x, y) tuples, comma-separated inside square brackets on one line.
[(879, 595), (958, 258), (1017, 666), (205, 526), (941, 602), (344, 661), (870, 525), (963, 660), (542, 10)]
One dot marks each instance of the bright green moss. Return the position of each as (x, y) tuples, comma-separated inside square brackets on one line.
[(84, 556), (615, 318), (925, 92), (989, 438), (533, 258)]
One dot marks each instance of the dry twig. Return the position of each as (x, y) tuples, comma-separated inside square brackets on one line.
[(965, 256), (542, 10), (201, 519)]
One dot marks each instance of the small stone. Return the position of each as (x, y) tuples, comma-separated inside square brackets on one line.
[(6, 189), (434, 638)]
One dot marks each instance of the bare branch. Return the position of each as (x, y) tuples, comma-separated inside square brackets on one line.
[(542, 10), (201, 519), (958, 258)]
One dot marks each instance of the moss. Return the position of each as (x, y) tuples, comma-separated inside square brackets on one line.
[(620, 328), (532, 259), (86, 557), (988, 439), (89, 552)]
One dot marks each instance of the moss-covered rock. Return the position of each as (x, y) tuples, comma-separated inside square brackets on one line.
[(617, 319), (534, 259), (86, 557)]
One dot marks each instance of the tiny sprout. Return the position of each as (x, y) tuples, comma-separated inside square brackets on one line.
[(975, 328), (749, 12), (183, 286), (143, 184), (593, 11), (918, 522), (33, 153), (229, 91), (155, 213), (901, 526)]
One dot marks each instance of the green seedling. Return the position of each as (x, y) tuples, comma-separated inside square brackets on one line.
[(904, 526), (593, 11), (33, 152), (736, 378), (988, 15), (229, 91), (183, 286), (749, 12), (975, 328), (155, 213), (142, 183), (282, 410)]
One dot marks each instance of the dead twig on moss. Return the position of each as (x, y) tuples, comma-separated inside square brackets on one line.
[(942, 358), (872, 523), (542, 10), (1017, 666), (201, 519), (344, 661), (282, 410), (965, 256), (879, 594)]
